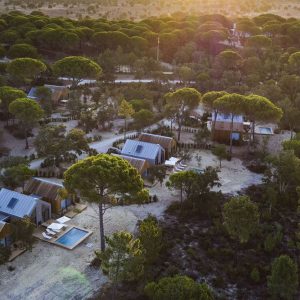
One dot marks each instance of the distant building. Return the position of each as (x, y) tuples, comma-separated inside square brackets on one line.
[(154, 154), (140, 164), (168, 143), (58, 93), (223, 128), (48, 191)]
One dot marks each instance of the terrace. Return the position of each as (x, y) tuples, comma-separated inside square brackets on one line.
[(68, 237)]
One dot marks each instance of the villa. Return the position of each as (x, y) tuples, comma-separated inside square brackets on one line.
[(140, 164), (154, 154), (58, 93), (166, 142), (223, 128), (5, 233), (14, 205), (48, 191)]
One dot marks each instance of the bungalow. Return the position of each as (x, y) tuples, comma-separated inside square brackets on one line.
[(223, 128), (168, 143), (140, 164), (5, 233), (154, 154), (58, 93), (48, 191), (14, 205)]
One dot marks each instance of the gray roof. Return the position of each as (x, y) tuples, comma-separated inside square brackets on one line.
[(16, 204), (32, 94), (3, 217), (141, 149), (227, 118)]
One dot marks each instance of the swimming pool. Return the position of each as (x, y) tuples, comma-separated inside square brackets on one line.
[(73, 237), (265, 130)]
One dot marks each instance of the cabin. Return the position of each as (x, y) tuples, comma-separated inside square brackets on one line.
[(5, 233), (167, 143), (140, 164), (223, 128), (48, 191), (58, 93), (14, 205), (154, 154)]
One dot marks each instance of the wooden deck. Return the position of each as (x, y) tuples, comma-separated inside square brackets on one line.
[(38, 234), (76, 209), (15, 253)]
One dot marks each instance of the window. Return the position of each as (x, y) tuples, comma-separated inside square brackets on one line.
[(139, 149), (12, 203)]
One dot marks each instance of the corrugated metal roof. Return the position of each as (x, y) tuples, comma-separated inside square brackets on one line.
[(3, 217), (5, 230), (227, 118), (43, 188), (165, 141), (140, 164), (140, 149), (23, 207), (32, 94), (57, 91)]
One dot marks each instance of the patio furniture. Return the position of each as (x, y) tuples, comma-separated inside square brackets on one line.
[(46, 236), (182, 165), (63, 220), (50, 232), (178, 167), (47, 223), (56, 227)]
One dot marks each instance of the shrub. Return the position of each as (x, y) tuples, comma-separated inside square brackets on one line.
[(255, 275), (178, 287), (283, 282), (4, 254), (272, 240)]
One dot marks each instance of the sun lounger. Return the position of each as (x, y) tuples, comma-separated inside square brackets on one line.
[(182, 165), (179, 167), (46, 236), (56, 227), (63, 220), (50, 232)]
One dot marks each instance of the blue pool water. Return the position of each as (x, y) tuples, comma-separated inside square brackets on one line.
[(72, 237), (265, 130)]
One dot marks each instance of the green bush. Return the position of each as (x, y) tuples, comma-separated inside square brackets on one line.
[(4, 254), (255, 275), (272, 241), (179, 288), (283, 281)]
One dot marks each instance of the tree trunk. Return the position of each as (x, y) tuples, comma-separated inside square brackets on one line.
[(116, 279), (26, 139), (213, 125), (291, 130), (231, 131), (101, 227), (181, 192), (179, 130), (7, 118), (125, 128), (253, 131)]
